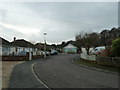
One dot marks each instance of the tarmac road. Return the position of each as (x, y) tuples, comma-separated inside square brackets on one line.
[(23, 77), (59, 72)]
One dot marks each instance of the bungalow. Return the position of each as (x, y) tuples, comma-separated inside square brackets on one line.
[(70, 49), (22, 46), (17, 47)]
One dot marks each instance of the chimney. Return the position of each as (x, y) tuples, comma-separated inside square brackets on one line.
[(14, 38)]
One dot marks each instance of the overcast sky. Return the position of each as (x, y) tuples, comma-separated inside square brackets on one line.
[(60, 20)]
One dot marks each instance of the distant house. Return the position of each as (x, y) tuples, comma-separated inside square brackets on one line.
[(70, 49), (40, 46), (22, 46)]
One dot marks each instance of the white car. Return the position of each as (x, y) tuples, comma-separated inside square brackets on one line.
[(47, 53), (53, 52), (97, 50)]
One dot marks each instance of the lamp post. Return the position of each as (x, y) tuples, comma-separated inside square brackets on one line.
[(45, 45)]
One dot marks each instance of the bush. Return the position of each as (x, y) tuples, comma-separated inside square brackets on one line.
[(116, 47), (107, 52)]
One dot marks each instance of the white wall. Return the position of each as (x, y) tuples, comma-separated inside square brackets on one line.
[(5, 50), (84, 50), (8, 50)]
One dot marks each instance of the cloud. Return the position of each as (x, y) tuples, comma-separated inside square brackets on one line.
[(21, 29), (61, 21)]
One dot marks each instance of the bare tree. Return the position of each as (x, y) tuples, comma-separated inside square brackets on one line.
[(33, 42), (88, 40)]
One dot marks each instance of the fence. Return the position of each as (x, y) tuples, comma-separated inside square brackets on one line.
[(88, 57), (110, 61)]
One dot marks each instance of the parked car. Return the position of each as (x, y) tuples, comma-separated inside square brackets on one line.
[(47, 53), (54, 52), (42, 52), (97, 50)]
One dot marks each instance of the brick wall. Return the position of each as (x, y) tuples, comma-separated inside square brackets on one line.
[(20, 58), (14, 58), (37, 56)]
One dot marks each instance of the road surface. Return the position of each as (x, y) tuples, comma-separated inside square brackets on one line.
[(59, 72), (23, 76)]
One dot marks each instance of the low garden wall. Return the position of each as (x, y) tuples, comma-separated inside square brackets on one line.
[(110, 61), (37, 56), (15, 58), (20, 58)]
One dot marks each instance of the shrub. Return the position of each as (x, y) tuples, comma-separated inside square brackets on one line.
[(116, 47), (107, 52)]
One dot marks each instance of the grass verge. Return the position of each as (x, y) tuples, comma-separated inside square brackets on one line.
[(95, 65)]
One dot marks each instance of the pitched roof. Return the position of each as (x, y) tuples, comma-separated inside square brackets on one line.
[(39, 45), (4, 42), (70, 46), (22, 43)]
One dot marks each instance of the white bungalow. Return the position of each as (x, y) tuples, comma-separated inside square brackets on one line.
[(17, 47), (70, 49), (21, 46)]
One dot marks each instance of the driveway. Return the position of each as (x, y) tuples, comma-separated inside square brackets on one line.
[(59, 72)]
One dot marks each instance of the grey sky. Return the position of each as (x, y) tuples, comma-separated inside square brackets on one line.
[(60, 20)]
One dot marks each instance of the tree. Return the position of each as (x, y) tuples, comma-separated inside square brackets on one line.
[(88, 40), (33, 42), (107, 36), (116, 47), (62, 44)]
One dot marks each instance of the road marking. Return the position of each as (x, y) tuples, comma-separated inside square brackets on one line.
[(38, 78)]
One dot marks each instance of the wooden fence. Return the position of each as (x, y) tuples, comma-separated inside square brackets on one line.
[(110, 61)]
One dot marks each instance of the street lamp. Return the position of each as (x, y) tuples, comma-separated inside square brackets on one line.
[(45, 45)]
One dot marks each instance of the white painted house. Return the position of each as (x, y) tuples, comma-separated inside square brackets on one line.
[(70, 49), (17, 47), (21, 46)]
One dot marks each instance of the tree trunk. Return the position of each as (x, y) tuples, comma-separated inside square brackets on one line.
[(87, 49)]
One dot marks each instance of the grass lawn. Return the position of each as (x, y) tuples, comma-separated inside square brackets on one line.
[(95, 65)]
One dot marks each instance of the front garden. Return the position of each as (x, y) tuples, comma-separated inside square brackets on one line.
[(109, 59)]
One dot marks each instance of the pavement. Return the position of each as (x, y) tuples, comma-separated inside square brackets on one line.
[(7, 67), (23, 76), (60, 72)]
